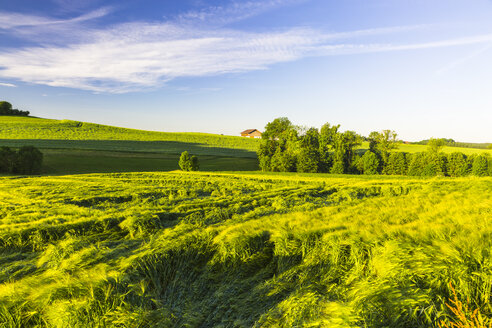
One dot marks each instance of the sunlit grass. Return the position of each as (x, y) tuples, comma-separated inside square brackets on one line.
[(243, 249)]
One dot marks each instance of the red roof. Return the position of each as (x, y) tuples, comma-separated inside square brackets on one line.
[(249, 131)]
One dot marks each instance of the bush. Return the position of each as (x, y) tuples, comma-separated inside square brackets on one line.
[(28, 160), (480, 166), (457, 165), (397, 163), (370, 163), (187, 163)]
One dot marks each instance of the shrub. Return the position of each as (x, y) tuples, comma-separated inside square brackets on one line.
[(370, 163), (480, 166), (187, 163), (457, 165), (397, 163)]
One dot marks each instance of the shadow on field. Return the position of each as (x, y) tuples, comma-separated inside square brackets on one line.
[(161, 147), (107, 156)]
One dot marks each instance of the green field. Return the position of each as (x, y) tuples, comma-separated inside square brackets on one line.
[(242, 250), (46, 129), (71, 147)]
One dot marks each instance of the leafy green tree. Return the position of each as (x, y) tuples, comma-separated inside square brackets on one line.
[(279, 129), (327, 137), (370, 163), (344, 145), (457, 165), (278, 140), (480, 165), (309, 156), (5, 108), (416, 164), (397, 163), (382, 143), (434, 165), (185, 161), (7, 160), (434, 146), (29, 160)]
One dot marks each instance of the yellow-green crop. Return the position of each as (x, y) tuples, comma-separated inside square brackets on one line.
[(242, 250)]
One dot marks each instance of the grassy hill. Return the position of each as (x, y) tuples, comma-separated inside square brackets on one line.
[(242, 250), (77, 147), (47, 129)]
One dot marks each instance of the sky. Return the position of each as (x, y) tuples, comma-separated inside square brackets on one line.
[(419, 67)]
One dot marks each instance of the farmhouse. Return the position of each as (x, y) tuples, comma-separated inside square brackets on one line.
[(252, 133)]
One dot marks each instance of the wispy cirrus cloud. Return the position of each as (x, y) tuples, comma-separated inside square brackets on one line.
[(140, 55), (9, 85), (10, 21)]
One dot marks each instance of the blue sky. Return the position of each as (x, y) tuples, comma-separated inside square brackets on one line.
[(422, 68)]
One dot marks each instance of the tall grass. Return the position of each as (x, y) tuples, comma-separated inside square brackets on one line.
[(243, 250)]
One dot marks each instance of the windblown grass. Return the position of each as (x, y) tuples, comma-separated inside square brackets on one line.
[(242, 250)]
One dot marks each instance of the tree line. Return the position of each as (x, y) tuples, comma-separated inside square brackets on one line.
[(6, 109), (288, 148), (26, 160)]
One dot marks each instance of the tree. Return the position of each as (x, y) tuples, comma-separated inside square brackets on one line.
[(416, 164), (309, 157), (434, 146), (344, 145), (480, 165), (382, 143), (327, 137), (278, 149), (185, 161), (397, 163), (279, 128), (28, 160), (5, 108), (370, 163), (457, 165)]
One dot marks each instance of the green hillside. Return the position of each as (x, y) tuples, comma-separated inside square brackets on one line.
[(242, 250), (39, 128), (71, 147)]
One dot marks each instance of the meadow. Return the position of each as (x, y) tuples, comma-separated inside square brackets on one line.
[(71, 147), (242, 249)]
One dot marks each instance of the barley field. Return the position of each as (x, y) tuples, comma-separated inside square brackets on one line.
[(243, 249)]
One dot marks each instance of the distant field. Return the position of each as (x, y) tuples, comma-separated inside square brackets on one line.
[(413, 148), (87, 161), (38, 128), (73, 147), (242, 250)]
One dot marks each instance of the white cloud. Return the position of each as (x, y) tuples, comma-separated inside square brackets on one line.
[(235, 11), (136, 56), (14, 20), (10, 85)]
